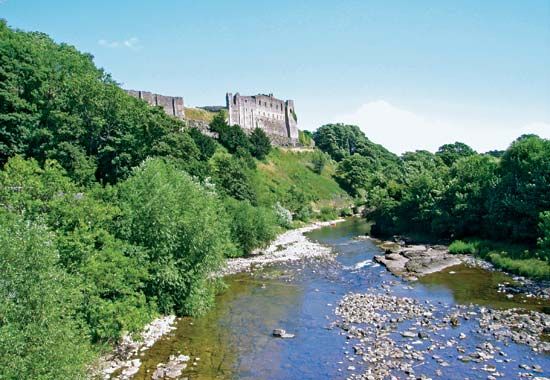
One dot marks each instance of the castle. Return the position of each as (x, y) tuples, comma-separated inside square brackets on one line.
[(172, 105), (277, 118)]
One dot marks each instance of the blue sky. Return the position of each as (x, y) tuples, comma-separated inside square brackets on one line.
[(412, 75)]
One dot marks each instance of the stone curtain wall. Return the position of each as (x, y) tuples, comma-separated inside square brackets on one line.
[(172, 105), (273, 115)]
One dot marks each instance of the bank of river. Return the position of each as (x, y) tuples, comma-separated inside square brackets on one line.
[(431, 330)]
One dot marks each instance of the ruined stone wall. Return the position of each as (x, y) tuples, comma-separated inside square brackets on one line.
[(172, 105), (272, 115)]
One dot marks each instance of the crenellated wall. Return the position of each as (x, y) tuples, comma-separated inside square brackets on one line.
[(172, 105)]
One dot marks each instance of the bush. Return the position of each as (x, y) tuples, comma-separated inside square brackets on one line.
[(345, 212), (328, 213), (544, 239), (251, 227), (462, 248), (319, 160), (283, 216)]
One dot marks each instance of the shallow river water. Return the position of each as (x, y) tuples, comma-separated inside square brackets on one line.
[(234, 339)]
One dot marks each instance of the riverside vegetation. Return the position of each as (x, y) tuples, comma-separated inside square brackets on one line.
[(112, 213), (495, 205)]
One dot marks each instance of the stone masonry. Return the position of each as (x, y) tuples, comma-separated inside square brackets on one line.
[(172, 105), (276, 117)]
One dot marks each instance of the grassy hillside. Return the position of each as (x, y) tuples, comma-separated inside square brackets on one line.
[(199, 114), (284, 169)]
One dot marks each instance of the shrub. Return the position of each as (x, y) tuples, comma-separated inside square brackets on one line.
[(319, 160), (346, 212), (328, 213), (461, 247), (544, 239), (283, 216), (251, 227)]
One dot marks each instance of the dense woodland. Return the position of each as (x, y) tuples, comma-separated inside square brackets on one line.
[(112, 212)]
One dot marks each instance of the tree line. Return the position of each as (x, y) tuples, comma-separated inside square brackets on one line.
[(452, 194)]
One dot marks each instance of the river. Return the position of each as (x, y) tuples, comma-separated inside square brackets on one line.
[(234, 339)]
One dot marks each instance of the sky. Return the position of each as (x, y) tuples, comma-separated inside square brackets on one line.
[(411, 74)]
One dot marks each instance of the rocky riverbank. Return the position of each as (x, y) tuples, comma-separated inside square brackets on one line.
[(290, 246), (413, 261), (396, 336), (124, 362)]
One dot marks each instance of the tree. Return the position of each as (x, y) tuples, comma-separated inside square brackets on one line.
[(183, 228), (260, 144), (450, 153), (522, 194), (39, 335), (233, 178)]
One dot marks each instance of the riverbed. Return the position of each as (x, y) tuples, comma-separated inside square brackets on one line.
[(234, 340)]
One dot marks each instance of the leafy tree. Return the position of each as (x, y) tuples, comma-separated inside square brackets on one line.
[(522, 193), (182, 227), (260, 144), (39, 335), (450, 153), (544, 232), (233, 178), (232, 137)]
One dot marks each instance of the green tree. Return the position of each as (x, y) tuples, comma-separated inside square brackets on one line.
[(450, 153), (260, 144), (232, 177), (39, 336), (183, 228), (319, 160)]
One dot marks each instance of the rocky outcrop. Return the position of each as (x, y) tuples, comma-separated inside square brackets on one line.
[(415, 260)]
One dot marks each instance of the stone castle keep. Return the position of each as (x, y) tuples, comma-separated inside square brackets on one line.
[(276, 117)]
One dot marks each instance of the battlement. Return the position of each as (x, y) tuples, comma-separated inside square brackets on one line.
[(172, 105), (275, 116)]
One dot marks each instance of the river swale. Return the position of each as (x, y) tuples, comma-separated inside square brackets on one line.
[(353, 319)]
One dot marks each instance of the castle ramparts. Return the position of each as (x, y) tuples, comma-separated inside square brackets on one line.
[(172, 105), (276, 117)]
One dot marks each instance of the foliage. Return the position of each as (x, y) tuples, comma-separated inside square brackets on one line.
[(55, 104), (462, 247), (232, 137), (260, 144), (183, 230), (39, 335), (319, 160), (251, 227), (233, 178), (283, 216), (544, 239), (305, 138), (451, 153), (328, 213)]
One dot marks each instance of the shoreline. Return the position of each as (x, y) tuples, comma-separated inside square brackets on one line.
[(289, 246), (411, 261)]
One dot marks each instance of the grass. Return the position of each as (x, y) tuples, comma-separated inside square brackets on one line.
[(462, 247), (199, 114), (283, 169), (514, 258)]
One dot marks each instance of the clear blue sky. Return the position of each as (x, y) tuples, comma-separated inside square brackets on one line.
[(412, 74)]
